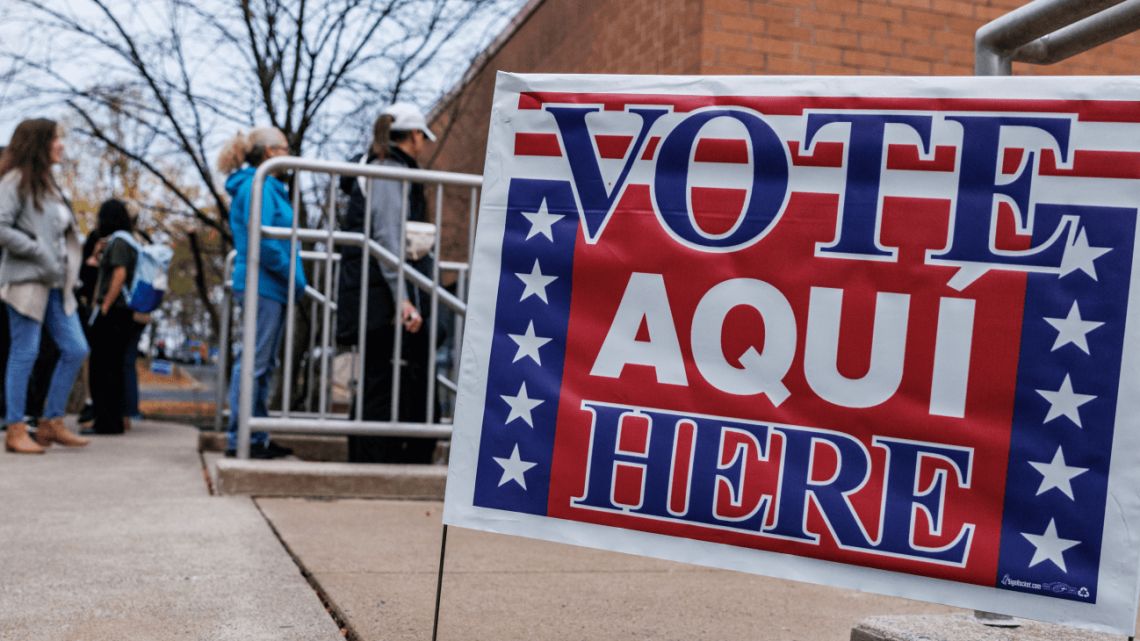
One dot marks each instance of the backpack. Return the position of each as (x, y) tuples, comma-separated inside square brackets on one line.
[(144, 293)]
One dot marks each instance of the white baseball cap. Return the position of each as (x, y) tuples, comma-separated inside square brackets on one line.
[(408, 117)]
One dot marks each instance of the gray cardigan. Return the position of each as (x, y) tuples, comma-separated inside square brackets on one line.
[(387, 203), (30, 239)]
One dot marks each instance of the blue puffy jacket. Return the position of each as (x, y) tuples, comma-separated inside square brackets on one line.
[(276, 211)]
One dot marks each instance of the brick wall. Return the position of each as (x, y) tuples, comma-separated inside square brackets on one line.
[(564, 36), (821, 37), (889, 37)]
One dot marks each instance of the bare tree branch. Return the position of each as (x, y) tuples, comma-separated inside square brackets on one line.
[(157, 85)]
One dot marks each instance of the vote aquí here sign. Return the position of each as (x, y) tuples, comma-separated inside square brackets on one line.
[(877, 333)]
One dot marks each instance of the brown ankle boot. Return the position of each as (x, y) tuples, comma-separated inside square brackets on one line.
[(17, 440), (52, 430)]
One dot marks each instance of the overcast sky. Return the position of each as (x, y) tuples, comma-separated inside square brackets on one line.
[(19, 36)]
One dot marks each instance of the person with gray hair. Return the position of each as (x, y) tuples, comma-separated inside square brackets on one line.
[(239, 159)]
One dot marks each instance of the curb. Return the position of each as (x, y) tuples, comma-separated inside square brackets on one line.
[(310, 479)]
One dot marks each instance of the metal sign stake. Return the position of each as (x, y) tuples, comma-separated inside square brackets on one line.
[(439, 582)]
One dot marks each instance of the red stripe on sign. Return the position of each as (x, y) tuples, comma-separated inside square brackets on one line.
[(651, 148), (537, 145), (612, 147), (1011, 160), (1005, 232), (906, 157), (1093, 164), (529, 101), (682, 467), (824, 154), (721, 150), (1086, 110), (717, 209)]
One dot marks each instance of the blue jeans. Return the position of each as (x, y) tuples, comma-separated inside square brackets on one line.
[(25, 345), (270, 323)]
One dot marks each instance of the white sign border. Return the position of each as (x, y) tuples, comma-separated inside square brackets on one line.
[(1118, 580)]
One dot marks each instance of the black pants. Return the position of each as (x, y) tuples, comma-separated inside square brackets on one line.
[(378, 397), (111, 336)]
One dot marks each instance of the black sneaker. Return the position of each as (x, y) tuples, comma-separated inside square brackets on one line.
[(264, 452), (273, 450), (87, 415)]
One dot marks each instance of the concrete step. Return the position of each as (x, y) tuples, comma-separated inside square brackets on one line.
[(323, 479), (304, 446), (964, 627)]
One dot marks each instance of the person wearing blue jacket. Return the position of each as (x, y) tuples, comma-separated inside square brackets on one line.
[(239, 160)]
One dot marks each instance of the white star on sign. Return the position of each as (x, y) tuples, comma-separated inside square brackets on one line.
[(1080, 255), (514, 469), (1065, 402), (1049, 547), (528, 344), (1072, 329), (542, 222), (1055, 474), (521, 406), (535, 283)]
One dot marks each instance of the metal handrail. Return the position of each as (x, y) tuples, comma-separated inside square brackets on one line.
[(1048, 31), (323, 420), (377, 250), (222, 365)]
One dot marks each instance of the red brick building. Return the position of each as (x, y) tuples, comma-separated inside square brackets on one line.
[(750, 37)]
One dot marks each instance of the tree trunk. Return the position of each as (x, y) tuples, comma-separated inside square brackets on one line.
[(200, 285)]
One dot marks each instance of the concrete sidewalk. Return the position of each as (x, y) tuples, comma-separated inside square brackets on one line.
[(121, 541), (376, 562)]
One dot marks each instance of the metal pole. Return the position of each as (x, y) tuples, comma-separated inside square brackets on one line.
[(311, 369), (331, 296), (249, 312), (362, 317), (291, 302), (434, 331), (1093, 31), (996, 42), (324, 425), (460, 320), (398, 297), (224, 343), (439, 583), (471, 220), (323, 405)]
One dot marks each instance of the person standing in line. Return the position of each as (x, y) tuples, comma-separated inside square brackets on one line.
[(239, 160), (38, 273), (399, 135), (85, 295), (113, 330)]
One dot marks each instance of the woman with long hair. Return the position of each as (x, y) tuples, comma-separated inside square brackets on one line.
[(239, 160), (38, 274), (399, 135), (113, 331)]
